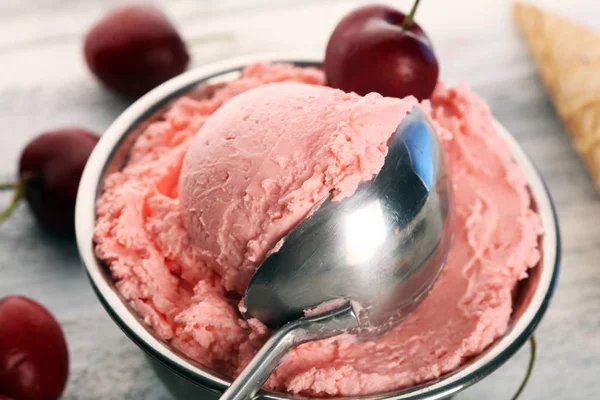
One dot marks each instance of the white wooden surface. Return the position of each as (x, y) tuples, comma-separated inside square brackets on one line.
[(44, 84)]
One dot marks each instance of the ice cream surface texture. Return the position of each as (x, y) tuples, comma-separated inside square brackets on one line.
[(267, 157), (239, 177)]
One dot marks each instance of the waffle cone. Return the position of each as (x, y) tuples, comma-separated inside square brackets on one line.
[(568, 58)]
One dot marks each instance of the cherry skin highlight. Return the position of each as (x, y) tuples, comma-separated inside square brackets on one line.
[(371, 51)]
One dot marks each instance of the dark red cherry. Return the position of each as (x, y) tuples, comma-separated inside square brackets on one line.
[(135, 48), (50, 169), (49, 172), (34, 360), (376, 49)]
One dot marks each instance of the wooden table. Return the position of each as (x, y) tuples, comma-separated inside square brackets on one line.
[(44, 84)]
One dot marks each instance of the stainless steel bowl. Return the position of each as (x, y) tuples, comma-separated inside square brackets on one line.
[(187, 378)]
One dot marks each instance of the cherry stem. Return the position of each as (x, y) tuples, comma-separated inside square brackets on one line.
[(8, 186), (529, 368), (12, 206), (410, 17)]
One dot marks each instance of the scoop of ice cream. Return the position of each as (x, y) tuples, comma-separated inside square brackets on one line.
[(264, 159)]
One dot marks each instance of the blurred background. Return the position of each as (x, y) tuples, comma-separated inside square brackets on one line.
[(44, 83), (44, 79)]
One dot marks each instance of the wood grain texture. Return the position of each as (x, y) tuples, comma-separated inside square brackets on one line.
[(44, 84)]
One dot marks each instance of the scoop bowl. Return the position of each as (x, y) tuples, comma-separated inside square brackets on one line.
[(380, 249), (187, 378), (383, 247)]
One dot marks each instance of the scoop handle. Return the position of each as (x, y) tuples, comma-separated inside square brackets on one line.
[(321, 326)]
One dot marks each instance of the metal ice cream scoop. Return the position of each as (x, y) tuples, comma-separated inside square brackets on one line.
[(364, 262)]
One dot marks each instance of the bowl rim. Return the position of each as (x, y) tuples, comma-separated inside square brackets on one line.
[(85, 215)]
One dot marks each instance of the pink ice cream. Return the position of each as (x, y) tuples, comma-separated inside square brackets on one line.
[(267, 157), (182, 242)]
